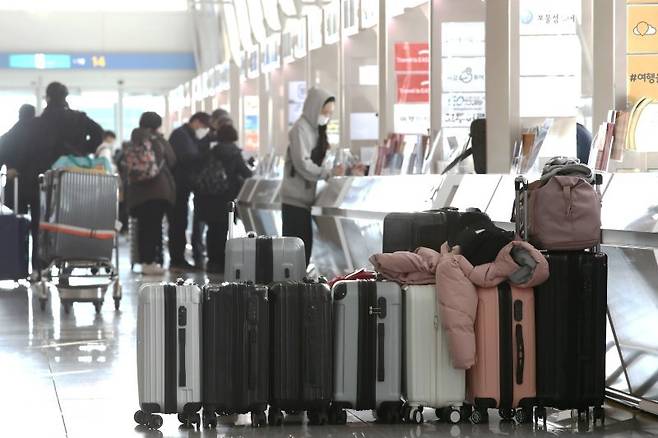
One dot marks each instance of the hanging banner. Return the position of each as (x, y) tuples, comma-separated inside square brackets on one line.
[(413, 88), (412, 57)]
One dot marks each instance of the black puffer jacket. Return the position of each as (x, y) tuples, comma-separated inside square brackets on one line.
[(32, 147), (212, 208)]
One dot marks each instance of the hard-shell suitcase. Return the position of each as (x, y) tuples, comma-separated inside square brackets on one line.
[(263, 260), (504, 374), (235, 351), (169, 352), (78, 215), (15, 238), (430, 229), (571, 333), (301, 350), (430, 379), (408, 231), (367, 349)]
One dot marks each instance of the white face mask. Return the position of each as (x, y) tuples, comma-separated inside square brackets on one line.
[(201, 132), (323, 120)]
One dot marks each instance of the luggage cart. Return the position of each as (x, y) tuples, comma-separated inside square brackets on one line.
[(79, 238), (82, 281)]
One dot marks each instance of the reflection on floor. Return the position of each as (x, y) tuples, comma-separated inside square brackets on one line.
[(74, 376)]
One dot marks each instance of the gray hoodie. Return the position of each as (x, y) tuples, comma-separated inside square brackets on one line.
[(299, 190)]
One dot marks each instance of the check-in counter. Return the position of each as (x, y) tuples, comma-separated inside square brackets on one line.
[(349, 213)]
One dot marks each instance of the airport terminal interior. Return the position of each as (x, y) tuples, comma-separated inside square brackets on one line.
[(340, 218)]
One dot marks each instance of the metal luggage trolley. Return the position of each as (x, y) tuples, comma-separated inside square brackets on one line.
[(78, 237)]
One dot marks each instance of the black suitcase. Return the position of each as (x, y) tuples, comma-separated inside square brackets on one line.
[(301, 346), (235, 352), (430, 229), (15, 238), (570, 316)]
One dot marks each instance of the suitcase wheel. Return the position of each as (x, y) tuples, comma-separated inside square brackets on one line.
[(416, 416), (540, 415), (506, 414), (275, 417), (337, 416), (479, 416), (209, 419), (189, 419), (317, 418), (149, 420), (258, 419), (599, 415), (523, 415)]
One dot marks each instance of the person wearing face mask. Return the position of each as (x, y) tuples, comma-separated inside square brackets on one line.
[(188, 142), (304, 166)]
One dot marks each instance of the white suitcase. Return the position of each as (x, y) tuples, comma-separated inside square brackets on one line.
[(367, 349), (431, 380), (169, 353)]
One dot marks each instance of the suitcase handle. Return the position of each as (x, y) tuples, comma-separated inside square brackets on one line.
[(520, 354), (231, 219), (381, 370)]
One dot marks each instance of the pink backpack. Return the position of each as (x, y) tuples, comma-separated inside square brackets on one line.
[(564, 214)]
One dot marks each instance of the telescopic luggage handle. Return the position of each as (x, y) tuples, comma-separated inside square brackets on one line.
[(521, 207), (231, 219)]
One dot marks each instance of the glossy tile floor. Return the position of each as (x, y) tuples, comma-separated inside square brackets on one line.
[(74, 376)]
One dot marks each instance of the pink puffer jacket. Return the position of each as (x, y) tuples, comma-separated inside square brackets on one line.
[(418, 267), (457, 281)]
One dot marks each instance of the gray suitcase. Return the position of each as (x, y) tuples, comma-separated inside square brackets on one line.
[(263, 260), (84, 200), (169, 353), (367, 349)]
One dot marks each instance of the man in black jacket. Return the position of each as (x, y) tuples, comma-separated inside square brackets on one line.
[(32, 146), (188, 144)]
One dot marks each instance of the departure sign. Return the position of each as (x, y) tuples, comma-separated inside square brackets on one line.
[(98, 61)]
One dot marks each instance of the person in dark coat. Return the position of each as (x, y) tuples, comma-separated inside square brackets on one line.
[(188, 144), (149, 200), (212, 209), (32, 148)]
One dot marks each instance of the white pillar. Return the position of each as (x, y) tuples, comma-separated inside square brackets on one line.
[(435, 69), (621, 92), (502, 82), (603, 55), (344, 138), (382, 62), (119, 114)]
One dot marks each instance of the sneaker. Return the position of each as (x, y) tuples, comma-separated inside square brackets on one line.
[(152, 269), (183, 266)]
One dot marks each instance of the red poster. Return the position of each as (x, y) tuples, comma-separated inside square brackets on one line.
[(413, 88), (412, 57)]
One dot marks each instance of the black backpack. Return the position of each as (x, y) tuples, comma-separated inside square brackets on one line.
[(213, 179)]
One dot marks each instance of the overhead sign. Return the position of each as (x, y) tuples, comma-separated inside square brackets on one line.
[(98, 61)]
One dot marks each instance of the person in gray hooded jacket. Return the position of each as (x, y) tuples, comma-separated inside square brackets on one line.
[(304, 168)]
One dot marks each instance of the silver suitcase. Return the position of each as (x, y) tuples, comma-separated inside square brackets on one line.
[(169, 353), (262, 260), (78, 202), (367, 349)]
